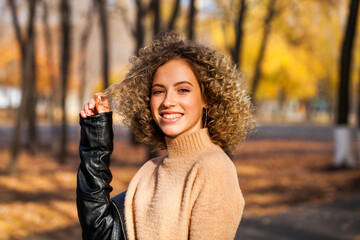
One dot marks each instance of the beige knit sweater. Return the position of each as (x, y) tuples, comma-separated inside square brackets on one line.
[(193, 193)]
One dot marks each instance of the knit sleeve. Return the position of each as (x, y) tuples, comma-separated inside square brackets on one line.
[(218, 209)]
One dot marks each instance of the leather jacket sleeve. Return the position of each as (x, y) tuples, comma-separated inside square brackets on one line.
[(97, 215)]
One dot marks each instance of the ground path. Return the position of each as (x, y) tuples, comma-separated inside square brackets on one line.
[(336, 220)]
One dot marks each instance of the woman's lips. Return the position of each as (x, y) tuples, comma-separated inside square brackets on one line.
[(170, 117)]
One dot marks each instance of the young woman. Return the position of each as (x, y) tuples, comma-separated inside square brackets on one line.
[(189, 99)]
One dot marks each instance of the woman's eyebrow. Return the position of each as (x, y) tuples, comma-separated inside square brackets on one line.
[(182, 82), (176, 84), (157, 85)]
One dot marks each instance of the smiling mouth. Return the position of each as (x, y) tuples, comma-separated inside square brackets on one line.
[(171, 116)]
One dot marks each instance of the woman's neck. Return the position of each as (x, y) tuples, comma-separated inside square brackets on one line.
[(188, 144)]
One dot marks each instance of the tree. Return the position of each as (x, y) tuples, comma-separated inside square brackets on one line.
[(53, 98), (236, 51), (32, 97), (174, 15), (266, 32), (137, 30), (64, 72), (105, 40), (191, 21), (84, 40), (27, 104), (155, 9), (358, 115), (343, 154), (139, 33)]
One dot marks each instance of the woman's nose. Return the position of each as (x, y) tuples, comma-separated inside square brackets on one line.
[(170, 100)]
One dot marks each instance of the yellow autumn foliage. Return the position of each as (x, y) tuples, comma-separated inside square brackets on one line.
[(302, 53)]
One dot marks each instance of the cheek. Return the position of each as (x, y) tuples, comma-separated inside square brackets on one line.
[(195, 104), (198, 100)]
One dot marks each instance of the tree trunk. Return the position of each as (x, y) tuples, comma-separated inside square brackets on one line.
[(345, 65), (105, 41), (32, 98), (155, 8), (139, 31), (266, 32), (26, 68), (84, 40), (174, 15), (16, 26), (49, 60), (358, 118), (236, 51), (343, 154), (64, 71), (191, 23), (53, 98), (358, 102)]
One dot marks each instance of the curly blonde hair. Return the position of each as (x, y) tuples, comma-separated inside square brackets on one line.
[(229, 108)]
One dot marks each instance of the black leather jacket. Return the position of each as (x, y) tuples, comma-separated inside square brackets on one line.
[(99, 217)]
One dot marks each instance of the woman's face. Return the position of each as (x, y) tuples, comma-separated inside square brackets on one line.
[(176, 102)]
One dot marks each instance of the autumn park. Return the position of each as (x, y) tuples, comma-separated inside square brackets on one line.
[(299, 170)]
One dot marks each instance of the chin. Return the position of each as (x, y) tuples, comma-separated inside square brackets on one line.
[(172, 134)]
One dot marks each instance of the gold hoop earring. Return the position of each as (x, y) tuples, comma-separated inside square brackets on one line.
[(205, 118)]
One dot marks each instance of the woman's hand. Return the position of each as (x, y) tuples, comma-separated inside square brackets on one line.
[(98, 104)]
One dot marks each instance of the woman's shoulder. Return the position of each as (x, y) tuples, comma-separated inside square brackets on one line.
[(216, 162), (216, 173)]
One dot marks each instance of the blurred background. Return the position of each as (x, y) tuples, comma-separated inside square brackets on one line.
[(301, 61)]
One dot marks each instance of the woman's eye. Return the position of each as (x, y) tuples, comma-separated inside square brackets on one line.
[(184, 90), (157, 92)]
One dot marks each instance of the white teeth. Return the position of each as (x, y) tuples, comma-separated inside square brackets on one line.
[(171, 116)]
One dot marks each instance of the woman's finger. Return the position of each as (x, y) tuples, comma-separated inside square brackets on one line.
[(83, 114), (101, 103), (98, 104), (91, 104), (88, 112)]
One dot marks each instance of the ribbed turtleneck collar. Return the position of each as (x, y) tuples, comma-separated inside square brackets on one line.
[(188, 144)]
